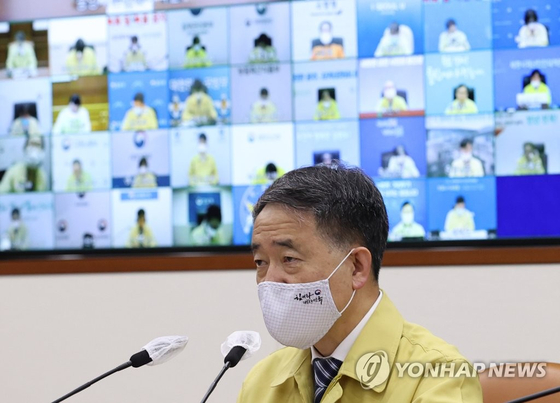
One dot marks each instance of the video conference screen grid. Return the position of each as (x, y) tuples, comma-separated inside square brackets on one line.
[(163, 128)]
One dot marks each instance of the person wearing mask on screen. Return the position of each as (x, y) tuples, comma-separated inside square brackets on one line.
[(203, 169), (199, 107), (390, 102), (327, 108), (327, 159), (81, 60), (452, 39), (141, 235), (25, 124), (407, 227), (467, 165), (397, 40), (326, 47), (533, 33), (318, 241), (459, 219), (400, 165), (210, 231), (144, 178), (134, 58), (140, 116), (537, 86), (17, 233), (176, 110), (88, 241), (530, 163), (27, 175), (196, 55), (264, 110), (73, 119), (21, 61), (79, 181), (268, 174), (462, 104), (263, 52)]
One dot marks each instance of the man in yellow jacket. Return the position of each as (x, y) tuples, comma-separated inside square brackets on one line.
[(82, 60), (318, 241), (199, 106), (140, 116), (327, 108), (21, 56)]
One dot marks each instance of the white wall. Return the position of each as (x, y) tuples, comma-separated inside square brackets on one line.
[(57, 332)]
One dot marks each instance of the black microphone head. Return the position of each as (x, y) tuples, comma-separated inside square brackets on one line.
[(141, 358), (234, 355)]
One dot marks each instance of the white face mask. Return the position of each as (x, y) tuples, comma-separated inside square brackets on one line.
[(198, 96), (16, 224), (327, 104), (211, 232), (466, 156), (390, 93), (34, 156), (299, 315), (325, 38), (536, 84), (143, 170), (138, 110), (407, 218), (202, 148), (460, 211)]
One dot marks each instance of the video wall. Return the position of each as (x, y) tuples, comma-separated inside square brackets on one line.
[(162, 128)]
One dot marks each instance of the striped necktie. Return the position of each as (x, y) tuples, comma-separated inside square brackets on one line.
[(325, 370)]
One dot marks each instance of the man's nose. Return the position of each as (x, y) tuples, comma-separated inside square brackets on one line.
[(275, 273)]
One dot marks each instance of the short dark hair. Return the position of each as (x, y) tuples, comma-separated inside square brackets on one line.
[(450, 22), (75, 99), (15, 211), (537, 71), (407, 203), (347, 206), (531, 14), (202, 136), (264, 91), (141, 214), (134, 39), (270, 168), (80, 45), (139, 97), (143, 161), (465, 142), (214, 211), (77, 161), (460, 199)]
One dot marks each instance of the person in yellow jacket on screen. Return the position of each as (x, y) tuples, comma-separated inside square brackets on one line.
[(459, 218), (327, 108), (21, 56), (264, 110), (467, 165), (17, 234), (407, 227), (263, 52), (25, 124), (326, 47), (462, 104), (79, 181), (210, 231), (537, 86), (196, 55), (140, 116), (144, 178), (268, 174), (530, 162), (390, 102), (135, 58), (27, 175), (82, 60), (203, 169), (199, 106), (141, 235)]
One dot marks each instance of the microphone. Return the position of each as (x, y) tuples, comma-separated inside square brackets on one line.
[(536, 396), (155, 352), (239, 346)]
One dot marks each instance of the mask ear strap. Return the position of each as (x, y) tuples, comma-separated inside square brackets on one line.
[(348, 304), (340, 264)]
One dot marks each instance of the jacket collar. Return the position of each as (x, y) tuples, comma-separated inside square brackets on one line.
[(383, 332)]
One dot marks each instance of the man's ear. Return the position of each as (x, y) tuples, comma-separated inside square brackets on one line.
[(362, 267)]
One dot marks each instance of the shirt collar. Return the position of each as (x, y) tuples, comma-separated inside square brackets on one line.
[(344, 347)]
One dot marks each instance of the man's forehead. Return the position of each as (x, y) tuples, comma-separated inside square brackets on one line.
[(277, 224)]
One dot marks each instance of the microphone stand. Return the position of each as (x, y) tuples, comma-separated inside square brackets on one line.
[(536, 395), (88, 384), (213, 385)]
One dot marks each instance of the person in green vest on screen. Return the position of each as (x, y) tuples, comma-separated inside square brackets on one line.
[(203, 169), (25, 124), (140, 116), (459, 218), (210, 231), (390, 102), (141, 235), (21, 57), (530, 163), (407, 227), (268, 174), (27, 175), (537, 86), (327, 108), (17, 233), (82, 60), (79, 181), (135, 58), (144, 178), (196, 55), (462, 104)]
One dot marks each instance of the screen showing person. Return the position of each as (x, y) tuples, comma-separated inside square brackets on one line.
[(323, 30), (26, 107), (527, 143), (140, 116), (399, 165), (73, 118), (138, 42), (407, 228), (261, 93), (199, 107), (142, 218), (390, 87), (387, 28), (26, 222), (326, 142), (21, 61), (78, 46), (28, 171), (210, 231), (459, 218), (327, 108), (143, 159), (466, 165), (539, 96), (79, 180), (391, 102), (397, 40), (203, 169), (198, 37), (463, 102), (453, 39), (259, 33), (532, 33), (82, 220), (258, 141), (141, 235)]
